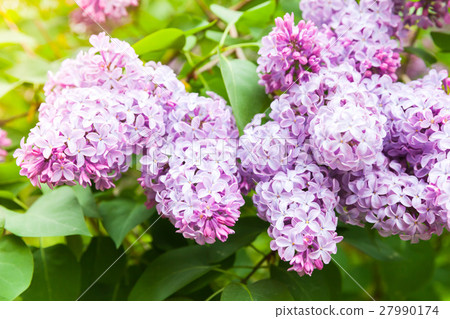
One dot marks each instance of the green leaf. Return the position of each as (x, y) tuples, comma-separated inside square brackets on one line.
[(57, 213), (421, 53), (16, 37), (10, 173), (270, 290), (32, 70), (56, 275), (442, 40), (164, 39), (225, 14), (324, 284), (86, 200), (262, 290), (236, 292), (119, 216), (6, 87), (368, 242), (100, 256), (258, 15), (16, 267), (247, 97), (409, 273), (246, 230), (170, 272), (200, 28), (165, 237)]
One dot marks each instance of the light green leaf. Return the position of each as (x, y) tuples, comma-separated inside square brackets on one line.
[(32, 70), (16, 267), (86, 200), (56, 275), (57, 213), (247, 97), (6, 87), (170, 272), (200, 28), (16, 37), (9, 173), (258, 15), (164, 39), (119, 216), (225, 14)]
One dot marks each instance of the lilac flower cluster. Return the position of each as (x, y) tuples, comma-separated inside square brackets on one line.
[(288, 54), (299, 205), (4, 142), (346, 136), (199, 189), (106, 105), (100, 10)]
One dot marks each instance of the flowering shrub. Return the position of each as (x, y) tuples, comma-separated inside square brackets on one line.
[(216, 142)]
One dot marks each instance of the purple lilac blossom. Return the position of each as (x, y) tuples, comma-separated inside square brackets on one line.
[(288, 54), (299, 205), (4, 142), (87, 135), (362, 34), (100, 10), (199, 190)]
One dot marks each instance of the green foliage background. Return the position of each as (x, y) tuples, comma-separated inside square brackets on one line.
[(54, 245)]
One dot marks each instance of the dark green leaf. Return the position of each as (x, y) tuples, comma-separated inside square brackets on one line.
[(57, 213), (324, 284), (262, 290), (164, 39), (170, 272), (119, 216), (421, 53), (16, 267), (368, 242), (246, 230), (236, 292), (165, 237), (247, 97), (56, 275), (442, 40), (104, 261), (409, 273)]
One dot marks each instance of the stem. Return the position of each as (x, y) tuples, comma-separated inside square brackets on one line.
[(227, 273), (215, 294), (13, 118), (240, 5), (211, 16), (258, 265)]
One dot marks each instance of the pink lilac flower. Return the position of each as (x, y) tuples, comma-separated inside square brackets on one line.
[(83, 137), (289, 53), (100, 10), (395, 202), (299, 205), (346, 136), (4, 142), (199, 188)]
